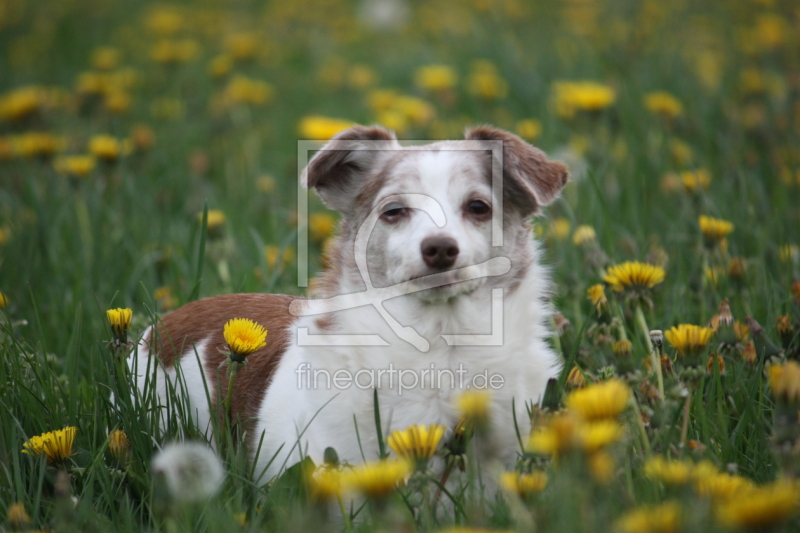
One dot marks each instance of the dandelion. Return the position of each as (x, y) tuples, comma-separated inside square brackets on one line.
[(689, 340), (575, 379), (105, 58), (272, 254), (622, 348), (715, 359), (485, 81), (435, 77), (266, 184), (120, 320), (529, 129), (597, 294), (634, 275), (169, 52), (720, 487), (416, 443), (325, 483), (583, 236), (560, 228), (595, 436), (695, 180), (663, 518), (573, 97), (105, 148), (760, 508), (119, 446), (600, 401), (191, 471), (243, 90), (215, 222), (244, 337), (378, 479), (737, 269), (714, 230), (784, 381), (475, 406), (664, 104), (321, 226), (322, 128), (4, 301), (557, 437), (522, 483), (18, 517), (670, 473), (76, 166), (601, 467), (55, 445), (220, 66), (242, 46)]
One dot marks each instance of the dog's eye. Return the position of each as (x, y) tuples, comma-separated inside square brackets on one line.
[(393, 212), (478, 207)]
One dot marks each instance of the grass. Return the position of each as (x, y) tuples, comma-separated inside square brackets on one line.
[(137, 231)]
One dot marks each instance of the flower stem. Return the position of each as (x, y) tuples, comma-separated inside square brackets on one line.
[(640, 425), (655, 354), (348, 526), (685, 425), (232, 373)]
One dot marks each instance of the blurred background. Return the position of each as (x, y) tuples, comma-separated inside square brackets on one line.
[(121, 121)]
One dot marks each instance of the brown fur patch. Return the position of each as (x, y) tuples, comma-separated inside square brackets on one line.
[(204, 319)]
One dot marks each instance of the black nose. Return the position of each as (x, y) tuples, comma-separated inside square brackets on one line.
[(439, 252)]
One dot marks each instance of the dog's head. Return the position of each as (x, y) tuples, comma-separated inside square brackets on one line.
[(429, 209)]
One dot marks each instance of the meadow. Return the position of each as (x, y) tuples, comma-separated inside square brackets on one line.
[(148, 157)]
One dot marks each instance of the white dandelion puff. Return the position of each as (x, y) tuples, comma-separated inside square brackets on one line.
[(191, 471)]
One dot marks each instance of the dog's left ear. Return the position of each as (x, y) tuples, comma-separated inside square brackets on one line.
[(530, 180)]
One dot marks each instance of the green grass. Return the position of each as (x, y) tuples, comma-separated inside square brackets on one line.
[(74, 247)]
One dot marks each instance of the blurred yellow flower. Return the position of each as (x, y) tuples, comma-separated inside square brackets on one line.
[(142, 137), (271, 254), (600, 401), (575, 379), (622, 348), (720, 487), (559, 435), (435, 77), (695, 180), (244, 336), (789, 253), (171, 52), (215, 222), (522, 483), (602, 467), (361, 77), (244, 90), (416, 443), (784, 381), (119, 446), (714, 230), (560, 228), (325, 483), (105, 58), (117, 102), (379, 478), (760, 508), (573, 97), (241, 46), (78, 166), (485, 81), (18, 517), (688, 339), (594, 436), (597, 294), (663, 518), (39, 144), (664, 104), (669, 472), (220, 66), (21, 103), (583, 235), (321, 226), (322, 128), (4, 301), (106, 148), (55, 445), (634, 275), (474, 405), (529, 129), (164, 20)]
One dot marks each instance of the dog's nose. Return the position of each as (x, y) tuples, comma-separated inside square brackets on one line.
[(439, 252)]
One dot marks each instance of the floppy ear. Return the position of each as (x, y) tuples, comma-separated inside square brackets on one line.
[(337, 170), (530, 180)]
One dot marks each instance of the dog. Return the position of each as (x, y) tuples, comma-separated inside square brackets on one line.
[(443, 287)]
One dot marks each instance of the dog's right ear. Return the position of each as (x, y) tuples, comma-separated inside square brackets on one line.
[(337, 170)]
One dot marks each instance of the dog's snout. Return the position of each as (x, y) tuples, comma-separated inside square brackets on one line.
[(439, 252)]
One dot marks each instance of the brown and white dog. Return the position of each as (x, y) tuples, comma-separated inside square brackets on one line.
[(429, 213)]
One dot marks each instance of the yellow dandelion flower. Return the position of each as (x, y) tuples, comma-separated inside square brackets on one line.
[(105, 147), (575, 379), (22, 103), (55, 445), (244, 336), (664, 104), (474, 405), (573, 97), (557, 437), (720, 487), (634, 275), (560, 228), (164, 20), (602, 467), (485, 81), (118, 445), (322, 128), (669, 472), (784, 381), (417, 443), (583, 235), (18, 517), (529, 128), (595, 436), (4, 301), (105, 58), (522, 483), (220, 66), (689, 339), (600, 401), (77, 166), (243, 90), (325, 483), (695, 180), (379, 478), (321, 226), (714, 230), (435, 77), (272, 254), (623, 348), (120, 320), (663, 518), (242, 46), (597, 294), (760, 508)]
